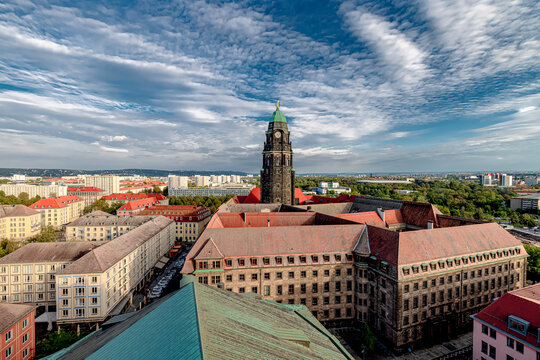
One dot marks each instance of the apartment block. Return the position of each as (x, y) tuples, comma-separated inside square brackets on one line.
[(100, 283), (17, 332), (509, 328), (59, 211), (177, 181), (43, 191), (127, 197), (109, 183), (101, 226), (89, 194), (190, 220), (18, 222), (136, 206), (527, 202), (28, 275)]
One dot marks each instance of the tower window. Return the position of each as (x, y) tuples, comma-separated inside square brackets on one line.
[(277, 161)]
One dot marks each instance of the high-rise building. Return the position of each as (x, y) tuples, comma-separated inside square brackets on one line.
[(109, 183), (277, 173), (201, 180), (176, 182), (34, 190), (485, 179), (506, 180)]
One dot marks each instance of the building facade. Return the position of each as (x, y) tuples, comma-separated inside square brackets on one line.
[(59, 211), (89, 194), (277, 173), (28, 275), (509, 328), (18, 222), (527, 202), (136, 206), (174, 181), (240, 190), (190, 220), (109, 183), (127, 197), (102, 281), (43, 191), (100, 226), (17, 332)]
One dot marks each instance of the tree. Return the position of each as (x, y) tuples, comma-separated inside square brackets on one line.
[(533, 262), (367, 338), (7, 246), (48, 234)]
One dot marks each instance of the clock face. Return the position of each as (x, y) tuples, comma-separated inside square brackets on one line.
[(277, 134)]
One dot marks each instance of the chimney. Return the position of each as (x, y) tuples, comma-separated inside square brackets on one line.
[(380, 211), (430, 224)]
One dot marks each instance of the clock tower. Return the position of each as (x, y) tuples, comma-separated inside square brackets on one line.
[(277, 173)]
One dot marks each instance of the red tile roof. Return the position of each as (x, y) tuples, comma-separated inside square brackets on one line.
[(368, 217), (127, 196), (272, 219), (523, 303), (254, 197), (85, 189), (137, 204), (418, 214), (12, 313), (58, 202)]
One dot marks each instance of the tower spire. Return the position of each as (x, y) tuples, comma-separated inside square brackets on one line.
[(277, 105)]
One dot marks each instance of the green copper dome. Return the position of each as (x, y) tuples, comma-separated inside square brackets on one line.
[(278, 116)]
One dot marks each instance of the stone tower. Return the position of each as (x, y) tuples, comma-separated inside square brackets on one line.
[(277, 173)]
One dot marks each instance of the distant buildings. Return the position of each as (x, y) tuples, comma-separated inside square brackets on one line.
[(109, 183), (60, 210), (28, 275), (486, 180), (17, 332), (43, 191), (231, 189), (506, 180), (101, 226), (177, 181), (530, 180), (527, 202), (190, 220), (382, 181), (201, 180), (89, 194), (509, 328), (19, 222), (101, 282), (127, 197), (333, 187), (201, 322), (136, 206)]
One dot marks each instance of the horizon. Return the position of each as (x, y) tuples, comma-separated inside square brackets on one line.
[(365, 87)]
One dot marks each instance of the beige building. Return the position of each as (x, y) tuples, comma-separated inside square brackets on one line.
[(59, 211), (43, 191), (109, 183), (28, 275), (101, 282), (101, 226), (19, 222)]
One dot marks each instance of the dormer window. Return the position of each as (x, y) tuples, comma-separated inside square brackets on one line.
[(314, 259), (203, 265), (406, 270), (279, 260), (253, 261), (266, 261), (290, 259), (518, 325), (241, 262)]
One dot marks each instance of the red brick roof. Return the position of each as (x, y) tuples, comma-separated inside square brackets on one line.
[(272, 219), (254, 197), (58, 202), (179, 212), (367, 217), (127, 196), (418, 214), (523, 303), (85, 189), (12, 313), (137, 204), (410, 247)]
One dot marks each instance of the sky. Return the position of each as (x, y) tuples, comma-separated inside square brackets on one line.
[(366, 86)]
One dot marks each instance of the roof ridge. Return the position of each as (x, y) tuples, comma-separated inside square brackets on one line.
[(200, 323)]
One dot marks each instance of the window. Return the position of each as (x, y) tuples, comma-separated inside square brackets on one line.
[(241, 262), (492, 333), (508, 357), (25, 353), (406, 288), (314, 287), (25, 323), (484, 347), (279, 275), (253, 261), (314, 301), (279, 290), (9, 335), (279, 260), (266, 290), (267, 276), (25, 338), (406, 304), (291, 289), (315, 273), (254, 276), (290, 259), (228, 262), (406, 320), (519, 347), (228, 278), (492, 352), (291, 274), (302, 274), (241, 277), (314, 259), (302, 258), (9, 351), (510, 342), (326, 258)]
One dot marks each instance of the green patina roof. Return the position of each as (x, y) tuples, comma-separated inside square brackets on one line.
[(278, 116)]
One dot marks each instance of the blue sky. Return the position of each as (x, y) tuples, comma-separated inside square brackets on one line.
[(367, 86)]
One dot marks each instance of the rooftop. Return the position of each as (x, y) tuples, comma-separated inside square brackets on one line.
[(205, 322), (16, 210), (49, 252), (11, 313), (92, 219), (137, 204), (272, 219), (85, 189), (57, 202)]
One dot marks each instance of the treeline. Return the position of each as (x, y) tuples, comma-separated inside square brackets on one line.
[(533, 263), (23, 199), (467, 199), (211, 202), (47, 234), (102, 205)]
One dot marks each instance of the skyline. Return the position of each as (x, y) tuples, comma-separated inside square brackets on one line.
[(366, 87)]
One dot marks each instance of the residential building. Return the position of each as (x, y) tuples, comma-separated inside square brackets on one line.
[(101, 226), (527, 202), (230, 189), (100, 283), (136, 206), (59, 211), (127, 197), (486, 179), (28, 275), (88, 193), (190, 220), (277, 172), (332, 187), (414, 273), (509, 328), (201, 180), (17, 332), (530, 180), (506, 180), (109, 183), (43, 191), (215, 324), (19, 222), (177, 181)]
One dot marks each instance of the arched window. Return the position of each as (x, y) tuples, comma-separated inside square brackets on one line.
[(278, 162)]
